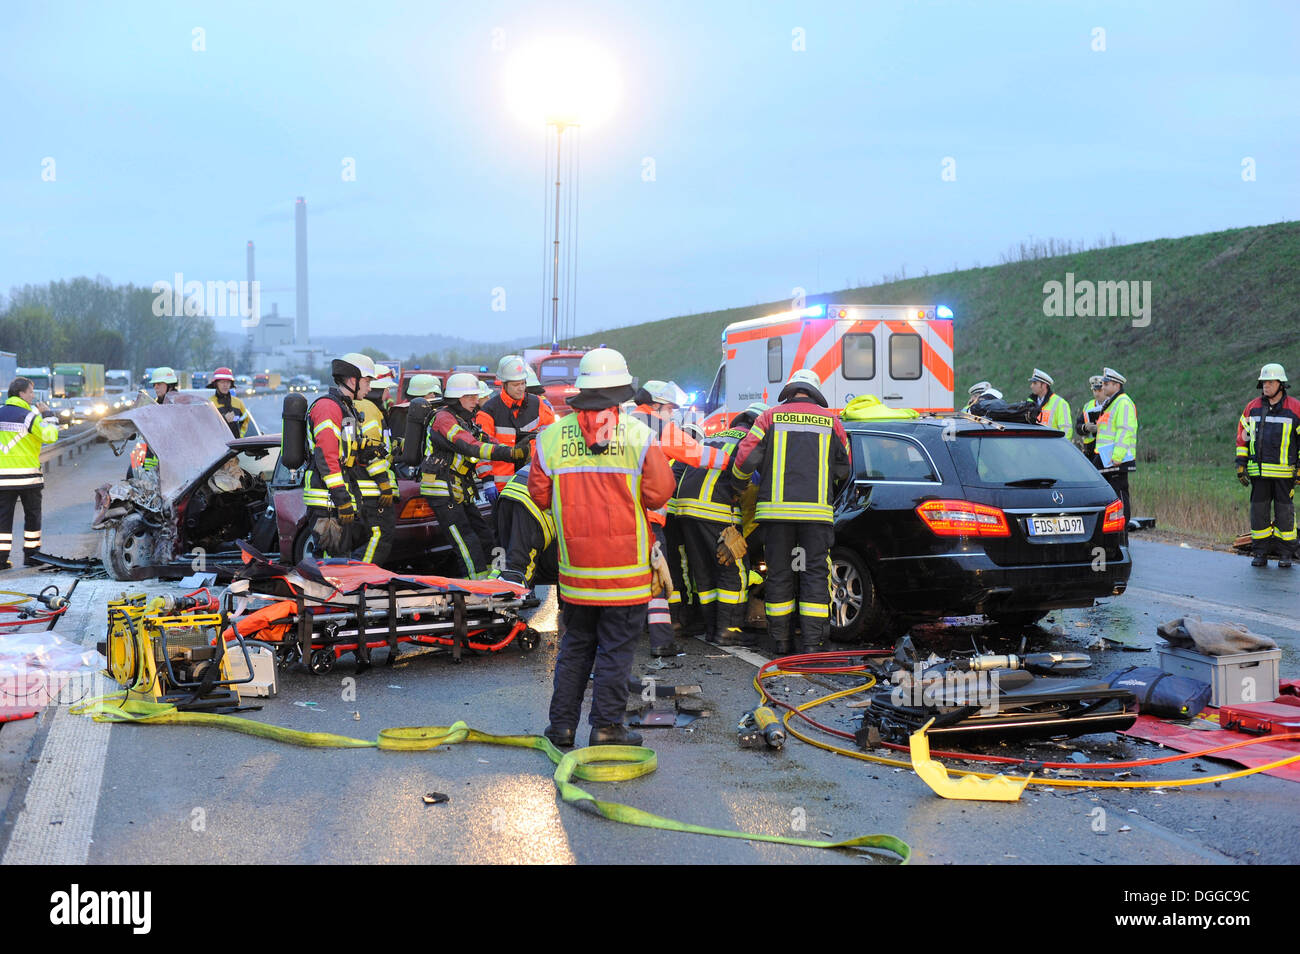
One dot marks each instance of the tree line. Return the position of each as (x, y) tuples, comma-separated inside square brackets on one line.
[(93, 320)]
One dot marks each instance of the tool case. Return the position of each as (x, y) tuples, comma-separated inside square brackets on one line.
[(1261, 718)]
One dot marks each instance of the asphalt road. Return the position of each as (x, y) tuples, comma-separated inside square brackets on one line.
[(197, 795)]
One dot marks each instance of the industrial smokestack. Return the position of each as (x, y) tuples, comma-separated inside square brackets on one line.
[(248, 304), (300, 221)]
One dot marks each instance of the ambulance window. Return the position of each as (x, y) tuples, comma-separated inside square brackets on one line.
[(859, 357), (717, 393), (774, 363), (904, 357)]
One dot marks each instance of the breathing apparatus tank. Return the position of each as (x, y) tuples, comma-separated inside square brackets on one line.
[(417, 419), (293, 437)]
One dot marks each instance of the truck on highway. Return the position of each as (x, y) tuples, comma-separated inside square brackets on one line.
[(903, 354), (41, 379), (266, 381), (79, 380), (117, 381)]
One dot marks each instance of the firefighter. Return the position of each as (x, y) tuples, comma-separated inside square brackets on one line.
[(512, 416), (599, 471), (800, 450), (1053, 410), (706, 506), (453, 446), (429, 387), (535, 386), (333, 438), (655, 402), (1268, 452), (231, 408), (164, 383), (373, 473), (1086, 423), (527, 532), (24, 427), (1117, 430)]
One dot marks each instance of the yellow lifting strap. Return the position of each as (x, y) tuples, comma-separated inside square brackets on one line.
[(596, 763)]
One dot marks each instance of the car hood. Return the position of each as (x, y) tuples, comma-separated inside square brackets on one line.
[(188, 437)]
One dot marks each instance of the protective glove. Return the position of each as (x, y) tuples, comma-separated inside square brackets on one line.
[(661, 578), (1090, 428), (1241, 474), (731, 546), (386, 494), (342, 500), (519, 452)]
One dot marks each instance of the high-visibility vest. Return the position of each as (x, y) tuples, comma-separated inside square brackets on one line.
[(701, 494), (1268, 438), (22, 432), (1088, 436), (316, 483), (373, 442), (1117, 431), (517, 489), (602, 530), (1055, 412)]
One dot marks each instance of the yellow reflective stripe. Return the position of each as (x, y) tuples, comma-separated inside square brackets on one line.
[(626, 593), (823, 453), (603, 573), (779, 609), (707, 596), (333, 480), (326, 425), (815, 610), (734, 597), (778, 466)]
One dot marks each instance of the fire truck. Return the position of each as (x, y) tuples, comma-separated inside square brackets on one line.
[(900, 353)]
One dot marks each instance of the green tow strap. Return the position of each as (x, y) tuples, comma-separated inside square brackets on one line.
[(597, 763)]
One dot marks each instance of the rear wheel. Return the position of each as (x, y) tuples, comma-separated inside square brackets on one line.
[(304, 545), (128, 547), (857, 614)]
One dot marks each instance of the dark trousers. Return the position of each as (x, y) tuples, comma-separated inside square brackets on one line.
[(528, 558), (378, 527), (457, 527), (798, 549), (598, 646), (659, 616), (721, 588), (1270, 497), (31, 498)]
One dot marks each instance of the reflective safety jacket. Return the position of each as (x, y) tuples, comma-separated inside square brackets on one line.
[(374, 464), (1055, 412), (706, 494), (503, 420), (1268, 437), (799, 449), (333, 433), (1117, 434), (229, 404), (598, 472), (452, 447), (516, 489), (22, 432), (1089, 439), (677, 445)]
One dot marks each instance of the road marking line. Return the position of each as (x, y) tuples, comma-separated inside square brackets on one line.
[(1196, 601), (58, 815), (748, 655)]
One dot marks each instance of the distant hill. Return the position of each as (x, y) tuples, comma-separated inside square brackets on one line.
[(403, 346), (1223, 304)]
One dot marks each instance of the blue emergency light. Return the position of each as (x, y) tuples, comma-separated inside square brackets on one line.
[(943, 311)]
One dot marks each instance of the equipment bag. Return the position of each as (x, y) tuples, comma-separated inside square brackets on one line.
[(1161, 694)]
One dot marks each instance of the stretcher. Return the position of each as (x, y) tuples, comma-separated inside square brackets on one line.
[(319, 611)]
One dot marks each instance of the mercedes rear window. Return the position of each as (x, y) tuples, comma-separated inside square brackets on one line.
[(998, 459)]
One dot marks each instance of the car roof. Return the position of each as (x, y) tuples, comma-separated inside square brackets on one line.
[(962, 424)]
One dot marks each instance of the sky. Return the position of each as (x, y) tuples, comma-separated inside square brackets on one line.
[(792, 145)]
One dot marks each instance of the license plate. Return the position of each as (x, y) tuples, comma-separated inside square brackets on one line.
[(1055, 526)]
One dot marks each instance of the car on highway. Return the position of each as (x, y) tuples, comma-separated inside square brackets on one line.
[(210, 490), (953, 517)]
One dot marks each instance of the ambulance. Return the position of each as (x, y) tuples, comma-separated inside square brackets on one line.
[(900, 353)]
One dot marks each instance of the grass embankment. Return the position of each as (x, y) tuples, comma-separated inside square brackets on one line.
[(1222, 305)]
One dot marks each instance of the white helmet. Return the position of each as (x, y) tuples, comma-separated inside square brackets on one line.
[(424, 385), (532, 379), (1271, 372), (666, 392), (484, 390), (383, 378), (603, 368), (978, 388), (512, 368), (803, 380), (353, 365), (162, 376), (461, 384)]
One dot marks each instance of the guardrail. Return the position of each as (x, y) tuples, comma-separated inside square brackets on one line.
[(66, 446)]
